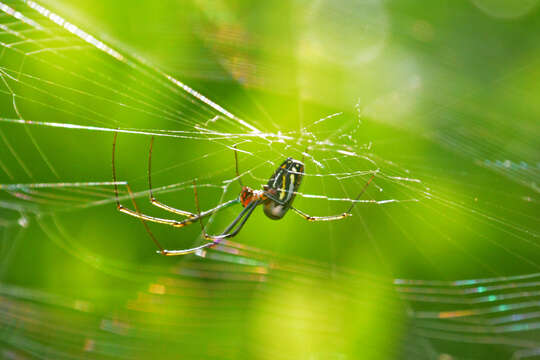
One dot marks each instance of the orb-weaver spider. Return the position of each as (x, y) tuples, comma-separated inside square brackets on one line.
[(276, 196)]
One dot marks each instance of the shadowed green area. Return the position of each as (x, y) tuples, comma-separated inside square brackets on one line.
[(438, 100)]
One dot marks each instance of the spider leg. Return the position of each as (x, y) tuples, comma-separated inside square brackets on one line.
[(246, 213), (236, 166), (321, 218), (175, 223), (172, 222), (153, 199), (148, 231), (304, 153), (332, 217), (307, 216), (185, 251), (173, 210), (214, 239), (242, 217), (361, 193), (226, 233)]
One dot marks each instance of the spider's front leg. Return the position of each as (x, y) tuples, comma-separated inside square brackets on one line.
[(238, 222), (242, 218), (153, 199), (171, 222), (215, 239)]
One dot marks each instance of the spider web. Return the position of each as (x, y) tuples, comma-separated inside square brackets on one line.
[(61, 82)]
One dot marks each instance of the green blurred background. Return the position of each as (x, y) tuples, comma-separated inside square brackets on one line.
[(445, 92)]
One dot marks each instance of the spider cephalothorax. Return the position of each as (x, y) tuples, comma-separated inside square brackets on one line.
[(276, 197), (248, 195)]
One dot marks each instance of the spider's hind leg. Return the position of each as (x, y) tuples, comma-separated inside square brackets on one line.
[(335, 217), (321, 218)]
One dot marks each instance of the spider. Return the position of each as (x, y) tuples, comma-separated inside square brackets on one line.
[(276, 197)]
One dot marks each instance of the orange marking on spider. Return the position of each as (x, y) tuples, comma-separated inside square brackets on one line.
[(275, 206)]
